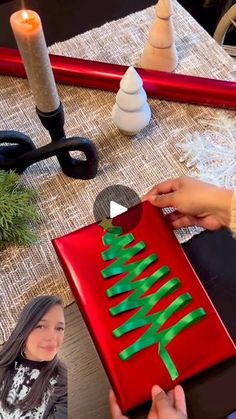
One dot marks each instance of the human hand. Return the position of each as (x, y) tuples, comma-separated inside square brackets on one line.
[(164, 406), (195, 202), (168, 406), (115, 408)]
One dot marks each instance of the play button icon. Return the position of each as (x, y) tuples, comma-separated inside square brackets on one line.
[(119, 203), (116, 209)]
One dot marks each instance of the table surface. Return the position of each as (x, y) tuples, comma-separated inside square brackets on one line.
[(212, 254)]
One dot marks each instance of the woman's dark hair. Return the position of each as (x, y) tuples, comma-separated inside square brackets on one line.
[(31, 314)]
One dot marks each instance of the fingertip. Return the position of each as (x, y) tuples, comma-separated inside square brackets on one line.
[(153, 199), (160, 399), (179, 390), (112, 396), (115, 408), (180, 402), (175, 225), (111, 392), (156, 390), (179, 223)]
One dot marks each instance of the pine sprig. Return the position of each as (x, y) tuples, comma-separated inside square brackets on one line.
[(16, 211)]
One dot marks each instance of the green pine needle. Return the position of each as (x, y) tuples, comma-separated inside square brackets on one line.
[(16, 211)]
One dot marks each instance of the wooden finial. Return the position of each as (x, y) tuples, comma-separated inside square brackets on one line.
[(164, 9), (160, 51)]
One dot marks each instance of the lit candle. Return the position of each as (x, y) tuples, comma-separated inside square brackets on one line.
[(27, 28)]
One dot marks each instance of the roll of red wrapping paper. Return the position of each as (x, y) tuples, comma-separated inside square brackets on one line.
[(106, 76)]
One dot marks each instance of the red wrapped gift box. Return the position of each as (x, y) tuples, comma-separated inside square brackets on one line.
[(148, 314)]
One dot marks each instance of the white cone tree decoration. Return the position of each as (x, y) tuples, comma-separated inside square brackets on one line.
[(160, 51), (131, 112)]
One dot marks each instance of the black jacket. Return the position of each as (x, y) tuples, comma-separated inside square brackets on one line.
[(56, 409)]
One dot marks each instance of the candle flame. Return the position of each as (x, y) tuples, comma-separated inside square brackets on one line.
[(25, 15)]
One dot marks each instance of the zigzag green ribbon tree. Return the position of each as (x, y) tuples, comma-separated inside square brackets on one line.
[(136, 299)]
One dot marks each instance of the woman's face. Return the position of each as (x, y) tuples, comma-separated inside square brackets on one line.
[(45, 340)]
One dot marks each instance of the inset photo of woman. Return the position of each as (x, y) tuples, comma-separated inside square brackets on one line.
[(33, 379)]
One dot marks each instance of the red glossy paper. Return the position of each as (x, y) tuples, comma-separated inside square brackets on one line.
[(106, 76), (195, 349)]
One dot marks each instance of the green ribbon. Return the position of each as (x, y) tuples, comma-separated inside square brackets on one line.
[(150, 337), (145, 304), (140, 319), (123, 256), (140, 287)]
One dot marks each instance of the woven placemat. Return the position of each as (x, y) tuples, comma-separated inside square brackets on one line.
[(66, 204)]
